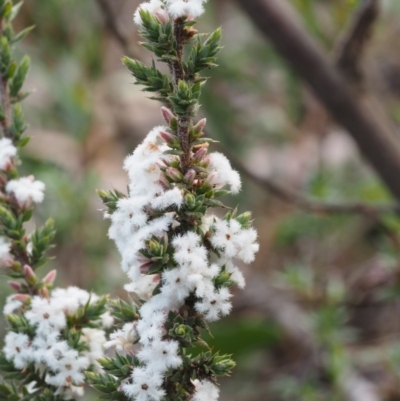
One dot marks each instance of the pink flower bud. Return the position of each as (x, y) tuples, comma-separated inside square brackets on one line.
[(206, 161), (50, 277), (164, 183), (15, 285), (29, 274), (167, 114), (165, 238), (162, 16), (144, 269), (167, 137), (200, 154), (174, 174), (44, 293), (189, 177), (200, 125), (22, 297)]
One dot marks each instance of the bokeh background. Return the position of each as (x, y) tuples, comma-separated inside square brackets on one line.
[(320, 318)]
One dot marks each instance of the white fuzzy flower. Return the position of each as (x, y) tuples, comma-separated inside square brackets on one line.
[(26, 190), (122, 341), (6, 259), (207, 222), (95, 339), (236, 274), (7, 152), (151, 329), (107, 320), (143, 166), (234, 241), (49, 350), (215, 306), (161, 355), (225, 237), (176, 285), (221, 173), (42, 347), (46, 315), (173, 197), (188, 249), (69, 369), (18, 349), (145, 386), (205, 391), (70, 299), (71, 392), (11, 305), (154, 7), (188, 8), (144, 287)]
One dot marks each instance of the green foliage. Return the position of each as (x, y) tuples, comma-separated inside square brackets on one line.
[(150, 77), (18, 78), (41, 240), (123, 311), (203, 55), (107, 385), (185, 98), (158, 36), (89, 315)]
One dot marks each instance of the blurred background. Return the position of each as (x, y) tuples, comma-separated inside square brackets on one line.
[(320, 317)]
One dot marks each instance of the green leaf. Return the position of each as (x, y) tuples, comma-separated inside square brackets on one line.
[(21, 35), (152, 79), (20, 75), (15, 10)]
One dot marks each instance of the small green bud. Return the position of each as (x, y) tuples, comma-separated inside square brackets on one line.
[(244, 219), (190, 201)]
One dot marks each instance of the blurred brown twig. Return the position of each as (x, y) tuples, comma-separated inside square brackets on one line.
[(113, 27), (352, 45), (376, 139), (311, 205)]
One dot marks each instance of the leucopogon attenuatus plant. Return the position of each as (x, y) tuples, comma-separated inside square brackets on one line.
[(179, 257), (55, 335)]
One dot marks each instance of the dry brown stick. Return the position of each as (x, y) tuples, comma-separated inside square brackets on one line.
[(353, 43), (375, 138), (113, 27), (310, 205)]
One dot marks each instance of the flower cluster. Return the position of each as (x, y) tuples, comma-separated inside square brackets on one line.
[(24, 190), (180, 258), (164, 10), (54, 336), (45, 345), (166, 246)]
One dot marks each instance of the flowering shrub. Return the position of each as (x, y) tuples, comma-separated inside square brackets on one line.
[(179, 258)]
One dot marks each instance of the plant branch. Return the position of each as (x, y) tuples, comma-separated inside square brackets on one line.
[(178, 74), (112, 26), (5, 119), (375, 138), (311, 205), (352, 45), (177, 65)]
